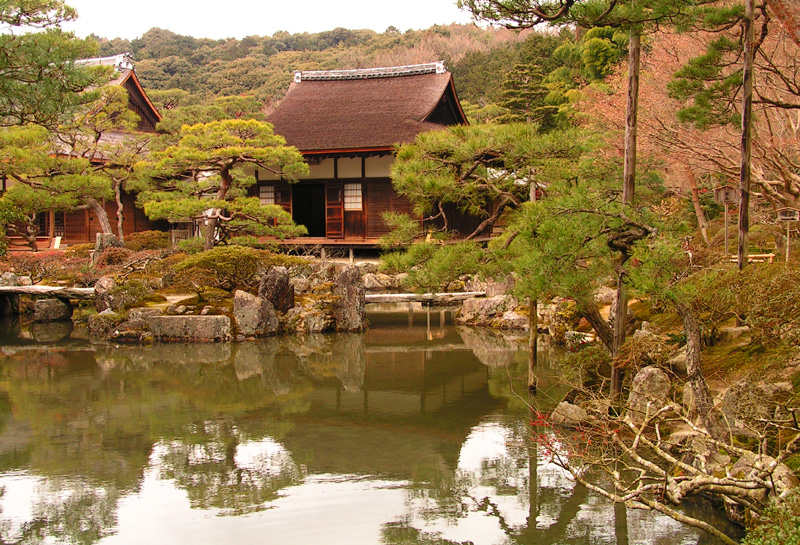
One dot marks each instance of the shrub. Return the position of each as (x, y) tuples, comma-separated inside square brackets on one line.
[(37, 265), (147, 240), (641, 351), (585, 367), (227, 267), (769, 296), (134, 292), (79, 250), (112, 256), (780, 524), (191, 245)]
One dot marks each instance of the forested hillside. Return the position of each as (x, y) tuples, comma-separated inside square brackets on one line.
[(262, 66)]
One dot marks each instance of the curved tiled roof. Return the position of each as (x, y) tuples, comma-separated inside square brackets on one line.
[(360, 110)]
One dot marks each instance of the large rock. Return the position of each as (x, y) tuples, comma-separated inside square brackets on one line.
[(306, 320), (497, 311), (349, 308), (276, 288), (568, 415), (51, 310), (9, 303), (649, 393), (190, 328), (139, 313), (9, 279), (103, 324), (106, 295), (492, 287), (104, 241), (255, 316)]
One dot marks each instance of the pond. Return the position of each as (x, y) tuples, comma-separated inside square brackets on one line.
[(414, 432)]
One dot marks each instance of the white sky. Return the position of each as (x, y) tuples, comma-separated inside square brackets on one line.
[(239, 18)]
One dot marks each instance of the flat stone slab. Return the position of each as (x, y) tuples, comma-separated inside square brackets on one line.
[(190, 328), (422, 297), (50, 291)]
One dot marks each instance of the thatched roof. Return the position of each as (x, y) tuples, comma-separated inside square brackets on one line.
[(339, 111)]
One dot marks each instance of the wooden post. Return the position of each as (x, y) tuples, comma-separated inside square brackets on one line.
[(727, 252), (787, 242), (533, 344), (747, 113)]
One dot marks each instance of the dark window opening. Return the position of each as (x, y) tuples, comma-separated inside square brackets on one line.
[(308, 207), (58, 224)]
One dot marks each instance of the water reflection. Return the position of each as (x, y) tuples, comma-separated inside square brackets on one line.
[(414, 432)]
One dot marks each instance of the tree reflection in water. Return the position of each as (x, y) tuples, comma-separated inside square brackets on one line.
[(398, 435)]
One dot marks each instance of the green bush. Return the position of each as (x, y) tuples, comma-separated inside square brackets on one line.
[(79, 250), (780, 524), (191, 245), (147, 240), (226, 267), (134, 292)]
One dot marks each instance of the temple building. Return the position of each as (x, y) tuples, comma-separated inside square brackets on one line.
[(346, 123)]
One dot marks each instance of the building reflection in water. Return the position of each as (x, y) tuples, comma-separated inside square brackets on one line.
[(411, 433)]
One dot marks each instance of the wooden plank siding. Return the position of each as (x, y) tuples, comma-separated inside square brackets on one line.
[(381, 197)]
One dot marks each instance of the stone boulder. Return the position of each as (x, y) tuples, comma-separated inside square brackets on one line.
[(306, 320), (8, 279), (276, 288), (51, 310), (491, 287), (349, 307), (255, 316), (104, 241), (134, 330), (498, 311), (190, 328), (568, 415), (649, 393), (9, 303), (751, 465), (143, 312), (103, 324), (106, 295), (746, 405)]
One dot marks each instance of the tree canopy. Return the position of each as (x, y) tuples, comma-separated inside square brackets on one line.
[(204, 176), (39, 79)]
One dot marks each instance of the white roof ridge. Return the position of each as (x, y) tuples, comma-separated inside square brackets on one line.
[(123, 61), (370, 73)]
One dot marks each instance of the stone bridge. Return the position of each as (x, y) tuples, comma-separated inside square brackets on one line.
[(9, 295)]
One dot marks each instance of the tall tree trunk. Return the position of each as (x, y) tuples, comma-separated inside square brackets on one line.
[(747, 112), (102, 215), (701, 408), (788, 12), (698, 209), (588, 309), (120, 207), (210, 231), (628, 188)]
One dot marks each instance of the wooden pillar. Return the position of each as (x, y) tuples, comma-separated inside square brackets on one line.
[(746, 145)]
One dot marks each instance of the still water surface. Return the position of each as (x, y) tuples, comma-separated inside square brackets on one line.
[(410, 433)]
